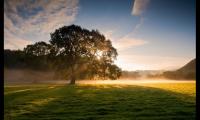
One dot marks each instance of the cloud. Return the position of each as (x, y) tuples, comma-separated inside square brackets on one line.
[(125, 42), (139, 6), (33, 20), (138, 25), (14, 42), (128, 42)]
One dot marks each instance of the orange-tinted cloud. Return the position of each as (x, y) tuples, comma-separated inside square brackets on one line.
[(128, 42), (14, 42)]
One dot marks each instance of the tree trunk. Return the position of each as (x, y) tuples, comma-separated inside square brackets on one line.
[(73, 80)]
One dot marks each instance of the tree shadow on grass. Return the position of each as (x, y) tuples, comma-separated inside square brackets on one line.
[(112, 103)]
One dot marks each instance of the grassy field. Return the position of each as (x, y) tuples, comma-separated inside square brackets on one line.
[(163, 101)]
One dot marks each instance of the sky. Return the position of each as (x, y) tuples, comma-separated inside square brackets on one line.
[(148, 34)]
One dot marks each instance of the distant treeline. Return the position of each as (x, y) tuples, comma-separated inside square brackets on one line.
[(18, 60), (177, 75), (130, 75)]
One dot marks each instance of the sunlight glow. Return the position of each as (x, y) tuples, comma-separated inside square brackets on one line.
[(132, 82), (130, 66), (99, 54), (42, 101), (21, 91), (143, 62)]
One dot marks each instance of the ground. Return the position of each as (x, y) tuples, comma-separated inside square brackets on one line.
[(161, 101)]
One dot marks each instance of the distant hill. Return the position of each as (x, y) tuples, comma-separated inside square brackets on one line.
[(188, 71), (189, 67)]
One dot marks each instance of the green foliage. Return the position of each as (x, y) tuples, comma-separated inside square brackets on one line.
[(83, 48), (37, 56), (38, 49), (14, 59)]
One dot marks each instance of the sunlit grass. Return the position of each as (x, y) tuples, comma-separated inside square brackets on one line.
[(153, 101), (42, 101), (179, 86), (183, 88)]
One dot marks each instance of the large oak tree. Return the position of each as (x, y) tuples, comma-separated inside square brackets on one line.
[(80, 47)]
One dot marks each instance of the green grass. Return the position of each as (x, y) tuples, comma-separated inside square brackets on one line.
[(102, 102)]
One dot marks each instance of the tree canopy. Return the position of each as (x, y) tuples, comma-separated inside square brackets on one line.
[(81, 48)]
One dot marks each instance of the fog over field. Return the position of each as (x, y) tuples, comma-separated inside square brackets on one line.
[(30, 76)]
